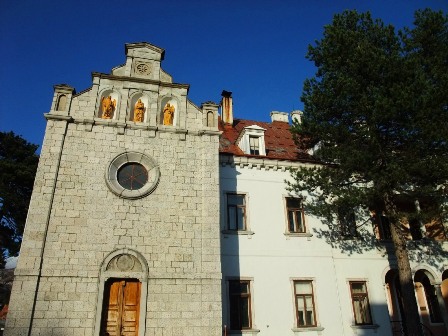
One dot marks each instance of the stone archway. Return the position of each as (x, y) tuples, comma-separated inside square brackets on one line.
[(394, 301), (427, 297), (121, 305), (443, 297)]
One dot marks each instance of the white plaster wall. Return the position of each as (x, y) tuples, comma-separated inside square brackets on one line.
[(272, 259)]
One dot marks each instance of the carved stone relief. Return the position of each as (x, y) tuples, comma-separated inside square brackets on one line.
[(143, 68), (124, 263)]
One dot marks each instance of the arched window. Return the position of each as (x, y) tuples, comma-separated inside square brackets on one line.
[(427, 297), (395, 300), (210, 119), (62, 102), (444, 288)]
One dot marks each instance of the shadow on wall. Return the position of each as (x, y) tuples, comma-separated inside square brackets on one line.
[(232, 216), (424, 250), (431, 289), (386, 319), (395, 327)]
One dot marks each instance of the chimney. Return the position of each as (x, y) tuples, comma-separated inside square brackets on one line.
[(279, 116), (296, 116), (227, 107)]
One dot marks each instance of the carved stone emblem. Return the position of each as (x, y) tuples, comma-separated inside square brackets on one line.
[(125, 262), (143, 68)]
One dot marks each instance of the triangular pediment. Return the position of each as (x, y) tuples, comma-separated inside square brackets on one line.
[(144, 48), (143, 61), (255, 128)]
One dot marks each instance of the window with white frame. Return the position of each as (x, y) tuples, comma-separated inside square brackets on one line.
[(304, 304), (251, 140), (254, 145)]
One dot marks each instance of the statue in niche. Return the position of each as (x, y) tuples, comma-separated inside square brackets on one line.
[(108, 106), (139, 111), (168, 114)]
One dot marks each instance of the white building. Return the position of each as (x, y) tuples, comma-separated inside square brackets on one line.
[(151, 216), (285, 272)]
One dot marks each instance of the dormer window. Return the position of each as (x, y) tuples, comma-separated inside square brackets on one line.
[(254, 143), (251, 140)]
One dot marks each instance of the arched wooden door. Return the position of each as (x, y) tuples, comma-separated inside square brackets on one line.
[(121, 307)]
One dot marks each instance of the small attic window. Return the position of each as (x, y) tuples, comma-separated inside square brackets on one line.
[(251, 140), (254, 144), (62, 101)]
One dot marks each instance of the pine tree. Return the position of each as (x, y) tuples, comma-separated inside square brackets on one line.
[(376, 116), (18, 164)]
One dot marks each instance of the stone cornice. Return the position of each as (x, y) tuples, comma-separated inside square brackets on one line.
[(50, 116), (94, 274), (139, 80), (144, 45), (130, 125), (259, 163)]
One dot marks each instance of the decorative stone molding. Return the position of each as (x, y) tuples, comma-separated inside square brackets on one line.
[(238, 232), (143, 68), (364, 326), (318, 329), (258, 163), (118, 162), (124, 263), (49, 116)]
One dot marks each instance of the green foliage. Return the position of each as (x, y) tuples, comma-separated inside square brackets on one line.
[(18, 164), (376, 116), (378, 111)]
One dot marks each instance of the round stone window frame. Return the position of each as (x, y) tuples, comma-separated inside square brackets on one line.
[(130, 157)]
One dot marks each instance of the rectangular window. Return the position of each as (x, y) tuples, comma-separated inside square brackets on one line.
[(254, 145), (304, 301), (383, 227), (240, 306), (236, 212), (296, 215), (414, 229), (347, 222), (360, 302)]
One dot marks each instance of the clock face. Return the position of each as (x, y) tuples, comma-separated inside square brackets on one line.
[(132, 175)]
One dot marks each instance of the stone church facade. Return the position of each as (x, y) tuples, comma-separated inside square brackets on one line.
[(122, 235)]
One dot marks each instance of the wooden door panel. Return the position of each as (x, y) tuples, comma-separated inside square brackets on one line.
[(121, 308), (132, 293), (112, 300), (131, 308)]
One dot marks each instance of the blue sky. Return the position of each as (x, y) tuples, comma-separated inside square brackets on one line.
[(254, 48)]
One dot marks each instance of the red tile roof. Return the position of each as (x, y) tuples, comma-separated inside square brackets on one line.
[(278, 140)]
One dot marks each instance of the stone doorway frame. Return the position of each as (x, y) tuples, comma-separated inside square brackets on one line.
[(133, 266)]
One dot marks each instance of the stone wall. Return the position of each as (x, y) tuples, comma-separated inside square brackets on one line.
[(75, 222)]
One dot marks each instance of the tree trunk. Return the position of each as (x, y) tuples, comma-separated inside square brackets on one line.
[(411, 320)]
